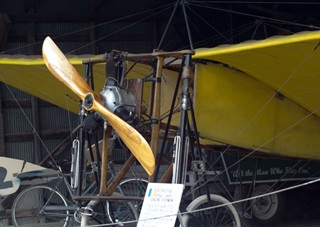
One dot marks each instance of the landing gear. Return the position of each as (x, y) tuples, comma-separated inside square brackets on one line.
[(261, 211), (269, 209)]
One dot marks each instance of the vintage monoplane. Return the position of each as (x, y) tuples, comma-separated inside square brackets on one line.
[(258, 96)]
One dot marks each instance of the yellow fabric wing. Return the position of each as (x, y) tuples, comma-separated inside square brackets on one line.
[(288, 64), (262, 95)]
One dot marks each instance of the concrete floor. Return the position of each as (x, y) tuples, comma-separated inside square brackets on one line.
[(290, 223), (301, 223), (286, 223)]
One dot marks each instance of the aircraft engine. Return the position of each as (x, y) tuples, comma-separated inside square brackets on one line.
[(119, 101)]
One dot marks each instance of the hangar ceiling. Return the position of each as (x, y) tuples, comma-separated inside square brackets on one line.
[(92, 23)]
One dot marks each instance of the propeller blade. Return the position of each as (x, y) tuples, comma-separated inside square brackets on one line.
[(64, 71)]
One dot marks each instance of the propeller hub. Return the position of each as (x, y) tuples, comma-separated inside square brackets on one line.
[(88, 101)]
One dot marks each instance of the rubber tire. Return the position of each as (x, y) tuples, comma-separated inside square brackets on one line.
[(30, 200), (272, 209), (196, 203)]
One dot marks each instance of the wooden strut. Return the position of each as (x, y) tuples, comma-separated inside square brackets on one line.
[(105, 159), (107, 198), (125, 168), (167, 175), (155, 127), (155, 53)]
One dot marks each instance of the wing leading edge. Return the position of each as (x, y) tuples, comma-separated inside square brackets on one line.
[(288, 64)]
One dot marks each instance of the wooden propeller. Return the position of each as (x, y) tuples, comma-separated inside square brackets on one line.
[(64, 71)]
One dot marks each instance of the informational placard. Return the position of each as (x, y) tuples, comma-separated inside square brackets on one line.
[(160, 205)]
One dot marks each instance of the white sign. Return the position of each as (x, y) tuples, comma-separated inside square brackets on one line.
[(160, 205)]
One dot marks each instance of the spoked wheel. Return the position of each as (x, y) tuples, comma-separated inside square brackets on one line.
[(225, 215), (39, 205), (122, 212), (135, 187)]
